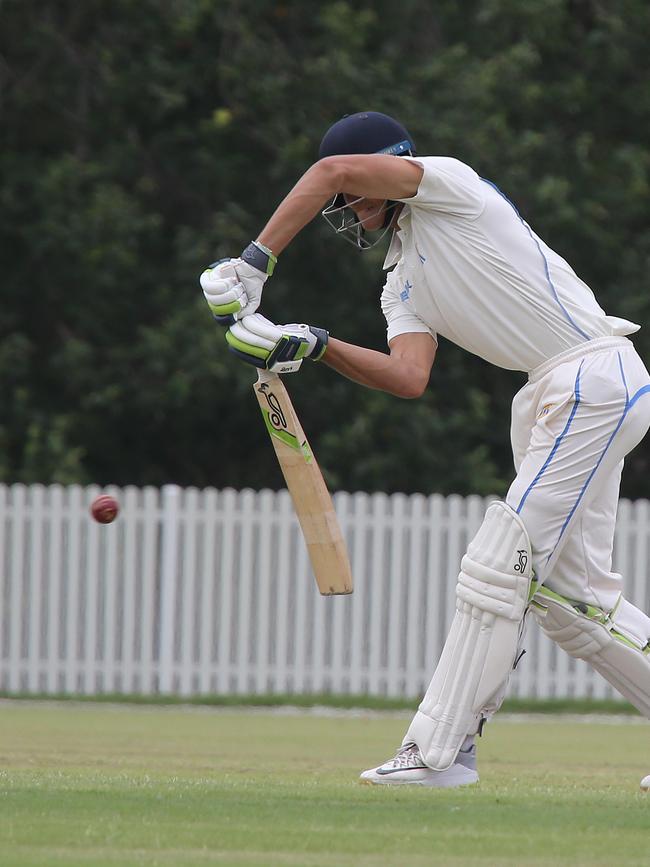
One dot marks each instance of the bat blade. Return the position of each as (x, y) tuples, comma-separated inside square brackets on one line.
[(311, 499)]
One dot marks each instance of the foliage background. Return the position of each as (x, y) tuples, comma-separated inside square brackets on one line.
[(140, 140)]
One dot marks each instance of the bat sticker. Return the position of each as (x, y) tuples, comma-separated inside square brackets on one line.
[(276, 424), (276, 416)]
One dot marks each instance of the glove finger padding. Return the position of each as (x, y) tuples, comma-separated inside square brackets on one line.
[(219, 276), (249, 272), (223, 291), (256, 331), (253, 282), (256, 340)]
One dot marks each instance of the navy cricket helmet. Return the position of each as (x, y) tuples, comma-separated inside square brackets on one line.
[(366, 132)]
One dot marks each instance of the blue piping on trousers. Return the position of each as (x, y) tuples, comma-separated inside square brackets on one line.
[(628, 405), (557, 442)]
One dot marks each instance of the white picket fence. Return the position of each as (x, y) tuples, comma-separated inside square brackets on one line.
[(201, 592)]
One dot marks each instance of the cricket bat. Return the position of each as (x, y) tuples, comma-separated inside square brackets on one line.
[(311, 499)]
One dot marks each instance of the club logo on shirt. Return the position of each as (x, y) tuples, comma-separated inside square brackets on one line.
[(545, 410), (406, 291)]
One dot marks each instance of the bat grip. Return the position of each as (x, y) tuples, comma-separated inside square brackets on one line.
[(266, 376)]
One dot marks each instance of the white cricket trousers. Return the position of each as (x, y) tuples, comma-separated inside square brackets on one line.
[(573, 423)]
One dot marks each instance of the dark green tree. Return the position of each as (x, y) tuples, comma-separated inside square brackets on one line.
[(141, 140)]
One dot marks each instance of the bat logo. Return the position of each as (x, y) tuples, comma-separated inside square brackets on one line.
[(276, 416), (279, 427)]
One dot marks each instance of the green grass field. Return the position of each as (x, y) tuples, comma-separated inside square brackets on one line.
[(103, 785)]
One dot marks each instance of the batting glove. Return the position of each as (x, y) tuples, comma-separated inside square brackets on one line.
[(233, 287), (278, 348)]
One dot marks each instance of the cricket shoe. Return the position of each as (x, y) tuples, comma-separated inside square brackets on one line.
[(408, 769)]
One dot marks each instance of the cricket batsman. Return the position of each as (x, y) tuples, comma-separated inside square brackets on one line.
[(464, 264)]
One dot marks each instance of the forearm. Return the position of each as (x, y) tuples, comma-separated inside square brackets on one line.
[(309, 196), (399, 376), (375, 176)]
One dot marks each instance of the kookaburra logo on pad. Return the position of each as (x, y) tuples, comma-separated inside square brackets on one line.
[(523, 560)]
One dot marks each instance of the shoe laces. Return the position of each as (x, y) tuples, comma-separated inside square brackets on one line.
[(408, 756)]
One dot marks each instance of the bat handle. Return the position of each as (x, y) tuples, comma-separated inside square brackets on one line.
[(265, 376)]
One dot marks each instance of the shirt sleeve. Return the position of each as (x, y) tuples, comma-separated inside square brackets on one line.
[(449, 186), (400, 317)]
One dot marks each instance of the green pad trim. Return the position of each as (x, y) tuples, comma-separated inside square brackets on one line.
[(591, 612)]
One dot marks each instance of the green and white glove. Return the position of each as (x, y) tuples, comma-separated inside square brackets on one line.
[(278, 348), (233, 287)]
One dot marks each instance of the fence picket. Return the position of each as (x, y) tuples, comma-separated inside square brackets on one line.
[(89, 626), (148, 621), (414, 580), (376, 593), (72, 561), (35, 587), (55, 612), (245, 591), (359, 505), (111, 588), (226, 560), (192, 519), (264, 574), (302, 623), (168, 586)]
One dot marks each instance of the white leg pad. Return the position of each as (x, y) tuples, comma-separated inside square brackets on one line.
[(586, 632), (480, 650)]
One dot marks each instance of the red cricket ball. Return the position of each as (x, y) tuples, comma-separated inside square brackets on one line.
[(104, 509)]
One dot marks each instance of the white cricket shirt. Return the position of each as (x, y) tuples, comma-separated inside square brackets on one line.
[(470, 268)]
